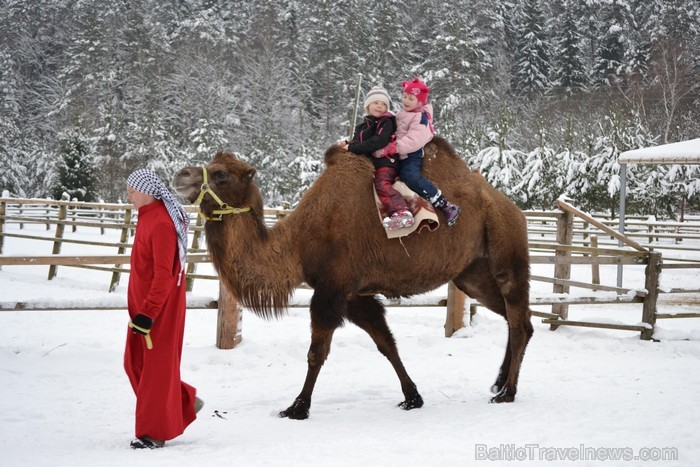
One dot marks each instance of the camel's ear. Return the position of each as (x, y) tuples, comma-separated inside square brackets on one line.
[(248, 175)]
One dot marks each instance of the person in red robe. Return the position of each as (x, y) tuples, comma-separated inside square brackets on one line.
[(165, 405)]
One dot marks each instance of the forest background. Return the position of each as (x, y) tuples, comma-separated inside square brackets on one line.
[(541, 96)]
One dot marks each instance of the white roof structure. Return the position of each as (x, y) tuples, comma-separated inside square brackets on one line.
[(685, 152)]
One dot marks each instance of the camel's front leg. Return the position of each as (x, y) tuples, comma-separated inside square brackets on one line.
[(318, 352), (327, 311), (368, 314)]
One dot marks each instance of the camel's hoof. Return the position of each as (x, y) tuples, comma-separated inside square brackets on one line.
[(500, 383), (299, 410), (414, 402), (504, 395)]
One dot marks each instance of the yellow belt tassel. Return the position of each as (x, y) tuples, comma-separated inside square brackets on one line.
[(149, 342)]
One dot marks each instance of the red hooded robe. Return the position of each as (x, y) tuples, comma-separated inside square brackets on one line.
[(164, 403)]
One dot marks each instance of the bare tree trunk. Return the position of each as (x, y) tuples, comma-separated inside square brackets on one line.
[(672, 72)]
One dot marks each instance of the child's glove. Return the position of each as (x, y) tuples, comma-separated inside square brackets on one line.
[(386, 151), (141, 324)]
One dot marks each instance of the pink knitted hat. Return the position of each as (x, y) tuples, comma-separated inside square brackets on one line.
[(418, 88)]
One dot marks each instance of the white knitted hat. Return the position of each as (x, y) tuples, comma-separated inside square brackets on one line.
[(377, 93)]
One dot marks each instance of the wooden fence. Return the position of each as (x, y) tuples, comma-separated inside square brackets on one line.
[(578, 238), (569, 237), (64, 217), (561, 238)]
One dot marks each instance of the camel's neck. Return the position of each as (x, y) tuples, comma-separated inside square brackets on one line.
[(261, 267)]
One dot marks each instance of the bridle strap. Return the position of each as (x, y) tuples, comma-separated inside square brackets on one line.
[(225, 208)]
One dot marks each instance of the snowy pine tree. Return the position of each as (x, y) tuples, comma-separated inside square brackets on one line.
[(76, 169), (13, 166), (304, 171), (531, 63), (545, 174), (157, 84), (599, 185), (498, 163), (568, 71), (609, 68), (453, 69)]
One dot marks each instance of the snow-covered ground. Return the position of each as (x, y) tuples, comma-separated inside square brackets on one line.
[(586, 396)]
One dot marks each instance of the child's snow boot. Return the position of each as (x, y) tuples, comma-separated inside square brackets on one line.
[(398, 220), (451, 211)]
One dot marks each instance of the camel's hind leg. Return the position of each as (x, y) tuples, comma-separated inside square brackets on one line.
[(368, 314), (327, 310), (506, 292), (519, 333)]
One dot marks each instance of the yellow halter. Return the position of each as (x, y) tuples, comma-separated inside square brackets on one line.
[(225, 208)]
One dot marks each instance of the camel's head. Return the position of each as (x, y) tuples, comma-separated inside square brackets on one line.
[(230, 179)]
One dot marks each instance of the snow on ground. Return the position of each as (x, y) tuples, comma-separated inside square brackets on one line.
[(602, 397)]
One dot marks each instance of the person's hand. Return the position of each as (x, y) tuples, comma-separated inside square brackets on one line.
[(141, 324), (387, 150), (343, 144)]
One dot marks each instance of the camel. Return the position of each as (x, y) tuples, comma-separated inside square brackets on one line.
[(334, 241)]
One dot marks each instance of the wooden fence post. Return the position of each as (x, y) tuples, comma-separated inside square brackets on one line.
[(455, 309), (60, 227), (565, 236), (229, 330), (651, 283), (595, 267), (101, 217), (74, 211), (192, 267), (116, 275), (3, 211)]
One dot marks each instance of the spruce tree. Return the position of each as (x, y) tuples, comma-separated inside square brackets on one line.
[(568, 71), (608, 68), (531, 63), (385, 52), (13, 166), (453, 68), (500, 164), (544, 175), (159, 84), (332, 66), (76, 169)]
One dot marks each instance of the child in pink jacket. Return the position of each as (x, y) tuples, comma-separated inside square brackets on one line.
[(414, 130)]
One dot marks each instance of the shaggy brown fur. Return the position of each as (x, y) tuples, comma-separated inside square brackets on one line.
[(334, 242)]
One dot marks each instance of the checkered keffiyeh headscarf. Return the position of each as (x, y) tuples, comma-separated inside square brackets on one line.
[(147, 182)]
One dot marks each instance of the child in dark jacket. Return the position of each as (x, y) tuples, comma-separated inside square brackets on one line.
[(375, 132)]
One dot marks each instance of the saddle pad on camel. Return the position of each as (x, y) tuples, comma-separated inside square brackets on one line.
[(423, 212)]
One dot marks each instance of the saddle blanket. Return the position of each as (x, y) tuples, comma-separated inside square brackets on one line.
[(423, 212)]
